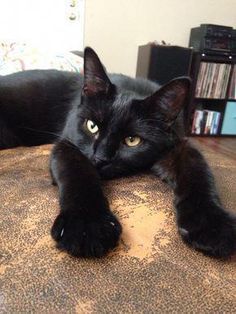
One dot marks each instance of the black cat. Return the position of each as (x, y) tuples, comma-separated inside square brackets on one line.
[(107, 126)]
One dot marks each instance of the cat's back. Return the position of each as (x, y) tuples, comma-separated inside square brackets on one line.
[(38, 91), (34, 104), (39, 80)]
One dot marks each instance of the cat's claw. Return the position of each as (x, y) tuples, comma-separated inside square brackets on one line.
[(83, 238), (183, 231)]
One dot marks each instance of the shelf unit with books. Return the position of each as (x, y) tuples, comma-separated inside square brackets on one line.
[(212, 103)]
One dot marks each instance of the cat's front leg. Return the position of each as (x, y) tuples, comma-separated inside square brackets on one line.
[(202, 221), (85, 226)]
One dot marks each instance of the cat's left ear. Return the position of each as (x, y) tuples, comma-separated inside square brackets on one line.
[(95, 78), (170, 99)]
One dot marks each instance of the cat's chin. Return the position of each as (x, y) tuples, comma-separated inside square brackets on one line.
[(105, 175)]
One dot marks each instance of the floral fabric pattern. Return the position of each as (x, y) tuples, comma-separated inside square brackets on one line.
[(15, 57)]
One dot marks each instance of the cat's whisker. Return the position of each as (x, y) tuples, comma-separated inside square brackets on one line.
[(58, 136)]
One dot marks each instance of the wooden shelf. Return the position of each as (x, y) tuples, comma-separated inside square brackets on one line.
[(211, 135), (205, 103), (216, 58), (216, 99)]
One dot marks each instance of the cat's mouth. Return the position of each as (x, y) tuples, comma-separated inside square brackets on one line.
[(108, 172), (108, 169), (104, 168)]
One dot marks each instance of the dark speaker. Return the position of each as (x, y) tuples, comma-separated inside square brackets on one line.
[(162, 63)]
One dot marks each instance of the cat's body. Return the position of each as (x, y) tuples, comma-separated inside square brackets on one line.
[(34, 106), (37, 102), (105, 127)]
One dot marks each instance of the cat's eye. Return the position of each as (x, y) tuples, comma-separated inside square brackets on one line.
[(132, 141), (92, 126)]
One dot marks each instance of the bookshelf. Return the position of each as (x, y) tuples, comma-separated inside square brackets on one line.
[(212, 104)]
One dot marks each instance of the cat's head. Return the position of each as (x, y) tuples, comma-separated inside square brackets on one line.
[(120, 131)]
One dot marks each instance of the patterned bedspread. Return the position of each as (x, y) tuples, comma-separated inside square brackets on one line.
[(16, 57)]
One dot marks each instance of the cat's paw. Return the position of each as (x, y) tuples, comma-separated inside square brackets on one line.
[(86, 238), (212, 234)]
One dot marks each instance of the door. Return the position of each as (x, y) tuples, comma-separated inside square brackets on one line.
[(54, 25)]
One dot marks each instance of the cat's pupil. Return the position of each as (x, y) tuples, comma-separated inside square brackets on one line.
[(132, 141), (92, 126)]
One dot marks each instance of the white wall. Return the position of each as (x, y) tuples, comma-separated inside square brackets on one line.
[(115, 29), (44, 23)]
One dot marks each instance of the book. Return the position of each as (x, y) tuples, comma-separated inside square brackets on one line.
[(213, 121), (213, 80), (193, 130), (216, 122), (208, 122), (205, 122), (199, 79), (232, 88), (196, 125)]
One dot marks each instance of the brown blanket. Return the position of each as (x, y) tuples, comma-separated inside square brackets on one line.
[(151, 270)]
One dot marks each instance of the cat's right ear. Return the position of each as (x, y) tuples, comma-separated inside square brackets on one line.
[(96, 80)]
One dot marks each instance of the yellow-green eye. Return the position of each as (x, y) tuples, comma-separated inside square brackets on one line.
[(92, 127), (132, 141)]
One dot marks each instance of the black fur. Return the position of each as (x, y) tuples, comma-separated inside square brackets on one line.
[(39, 107)]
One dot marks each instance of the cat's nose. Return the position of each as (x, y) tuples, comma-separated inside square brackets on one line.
[(99, 162)]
